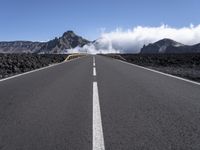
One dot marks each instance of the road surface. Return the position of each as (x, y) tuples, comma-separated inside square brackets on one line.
[(98, 103)]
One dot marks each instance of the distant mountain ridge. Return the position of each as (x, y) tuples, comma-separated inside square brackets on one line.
[(70, 40), (170, 46), (56, 46)]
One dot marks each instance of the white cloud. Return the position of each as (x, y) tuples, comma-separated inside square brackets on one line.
[(132, 40), (92, 49)]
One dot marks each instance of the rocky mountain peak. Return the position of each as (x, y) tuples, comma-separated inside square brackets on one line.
[(58, 45), (170, 46), (69, 34), (168, 42)]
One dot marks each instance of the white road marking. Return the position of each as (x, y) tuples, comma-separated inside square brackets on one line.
[(98, 139), (94, 71), (93, 60), (165, 74), (25, 73)]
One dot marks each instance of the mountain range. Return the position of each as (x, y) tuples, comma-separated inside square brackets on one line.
[(70, 40), (56, 46), (170, 46)]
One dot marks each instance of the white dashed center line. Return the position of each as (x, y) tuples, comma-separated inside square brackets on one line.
[(94, 71), (98, 139), (93, 61)]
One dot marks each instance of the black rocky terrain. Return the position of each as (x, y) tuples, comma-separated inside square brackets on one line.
[(11, 64), (183, 65)]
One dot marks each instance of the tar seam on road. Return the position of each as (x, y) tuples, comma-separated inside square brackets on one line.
[(32, 71), (162, 73)]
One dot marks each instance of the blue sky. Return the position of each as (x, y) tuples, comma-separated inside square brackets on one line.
[(41, 20)]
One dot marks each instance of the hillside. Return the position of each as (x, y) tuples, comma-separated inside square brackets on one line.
[(56, 46), (169, 46)]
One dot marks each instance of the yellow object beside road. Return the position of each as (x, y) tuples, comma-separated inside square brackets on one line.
[(72, 56)]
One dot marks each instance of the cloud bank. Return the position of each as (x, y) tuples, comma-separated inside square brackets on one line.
[(132, 40), (93, 49)]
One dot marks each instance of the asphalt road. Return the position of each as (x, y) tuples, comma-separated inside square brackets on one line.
[(98, 104)]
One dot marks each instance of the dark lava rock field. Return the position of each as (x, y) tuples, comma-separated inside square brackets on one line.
[(183, 65), (12, 64)]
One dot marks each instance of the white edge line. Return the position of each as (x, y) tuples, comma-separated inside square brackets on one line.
[(32, 71), (98, 138), (169, 75)]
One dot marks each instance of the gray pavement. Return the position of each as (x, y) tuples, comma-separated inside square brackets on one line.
[(51, 109)]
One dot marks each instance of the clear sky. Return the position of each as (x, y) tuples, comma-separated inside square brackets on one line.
[(41, 20)]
